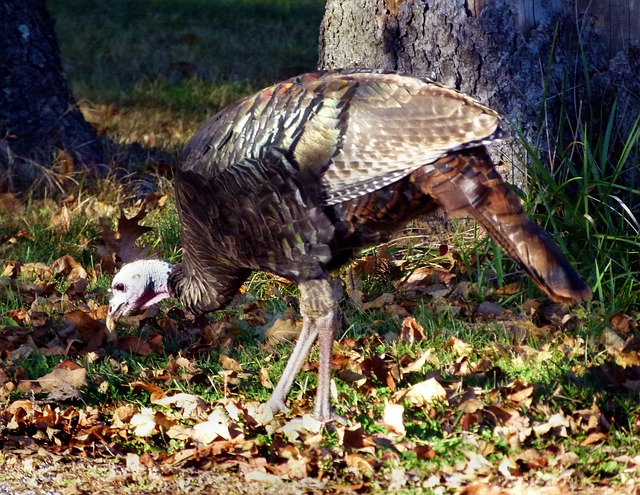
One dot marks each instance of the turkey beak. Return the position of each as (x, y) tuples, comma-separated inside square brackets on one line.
[(113, 315)]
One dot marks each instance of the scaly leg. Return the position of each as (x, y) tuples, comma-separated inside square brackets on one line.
[(319, 309), (306, 339), (318, 302), (326, 326)]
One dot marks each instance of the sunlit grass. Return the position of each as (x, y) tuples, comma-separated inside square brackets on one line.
[(152, 72), (158, 95)]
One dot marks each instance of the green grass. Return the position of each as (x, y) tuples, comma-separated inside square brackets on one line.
[(147, 43), (584, 196), (586, 203), (151, 72)]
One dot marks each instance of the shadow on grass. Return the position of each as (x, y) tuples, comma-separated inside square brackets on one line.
[(148, 74)]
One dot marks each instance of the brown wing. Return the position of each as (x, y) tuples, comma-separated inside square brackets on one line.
[(467, 184), (356, 131), (395, 125)]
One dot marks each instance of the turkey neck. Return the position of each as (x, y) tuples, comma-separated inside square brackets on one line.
[(201, 294)]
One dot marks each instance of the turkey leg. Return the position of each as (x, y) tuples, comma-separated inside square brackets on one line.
[(277, 402), (326, 326)]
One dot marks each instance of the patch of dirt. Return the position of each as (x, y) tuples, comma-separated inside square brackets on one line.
[(40, 474), (43, 475)]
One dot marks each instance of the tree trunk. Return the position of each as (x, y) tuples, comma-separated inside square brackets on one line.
[(42, 133), (539, 63)]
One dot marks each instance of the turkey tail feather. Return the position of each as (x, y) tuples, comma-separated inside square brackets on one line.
[(467, 184)]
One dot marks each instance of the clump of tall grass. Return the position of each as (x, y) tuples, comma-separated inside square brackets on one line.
[(585, 193), (585, 199)]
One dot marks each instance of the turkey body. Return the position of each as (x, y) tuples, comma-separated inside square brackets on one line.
[(296, 177)]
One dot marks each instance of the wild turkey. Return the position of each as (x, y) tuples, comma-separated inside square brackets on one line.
[(296, 177)]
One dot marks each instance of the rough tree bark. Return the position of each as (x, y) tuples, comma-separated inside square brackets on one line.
[(524, 58), (39, 120)]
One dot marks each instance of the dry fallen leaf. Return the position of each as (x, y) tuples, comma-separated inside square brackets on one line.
[(69, 268), (594, 438), (392, 418), (192, 406), (424, 452), (298, 428), (217, 425), (36, 270), (379, 302), (612, 341), (11, 268), (477, 489), (477, 465), (366, 265), (63, 163), (10, 203), (133, 463), (398, 478), (134, 345), (263, 374), (61, 220), (349, 376), (425, 276), (557, 424), (283, 330), (76, 378), (520, 488), (154, 200), (509, 289), (381, 369), (422, 394), (360, 463), (229, 364), (417, 364), (144, 422), (122, 415), (93, 208), (91, 331), (458, 347), (129, 230), (489, 310), (411, 331), (520, 392)]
